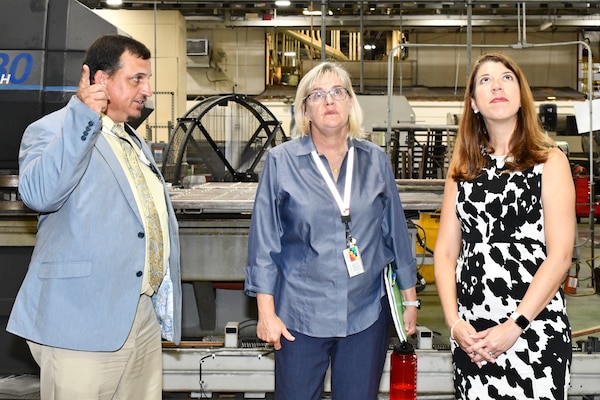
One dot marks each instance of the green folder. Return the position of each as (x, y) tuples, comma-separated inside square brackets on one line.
[(395, 299)]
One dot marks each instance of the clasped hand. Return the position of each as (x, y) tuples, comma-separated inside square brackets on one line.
[(486, 345)]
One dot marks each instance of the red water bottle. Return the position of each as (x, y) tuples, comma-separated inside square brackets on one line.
[(403, 372)]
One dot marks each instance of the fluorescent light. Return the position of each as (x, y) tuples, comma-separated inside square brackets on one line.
[(370, 47), (114, 2), (545, 25), (282, 3), (315, 13), (290, 54)]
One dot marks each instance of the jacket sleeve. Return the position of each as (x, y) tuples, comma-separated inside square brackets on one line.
[(54, 154)]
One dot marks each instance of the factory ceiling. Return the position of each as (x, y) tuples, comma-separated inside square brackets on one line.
[(488, 14)]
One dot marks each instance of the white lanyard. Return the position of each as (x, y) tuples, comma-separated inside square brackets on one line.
[(351, 254), (343, 204)]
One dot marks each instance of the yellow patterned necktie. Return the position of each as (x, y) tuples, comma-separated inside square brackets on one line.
[(154, 243)]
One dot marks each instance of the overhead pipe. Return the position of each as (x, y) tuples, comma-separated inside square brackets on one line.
[(323, 29), (362, 49), (309, 41), (401, 33), (518, 23), (469, 35)]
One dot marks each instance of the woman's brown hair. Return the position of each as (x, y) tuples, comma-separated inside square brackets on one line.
[(529, 144)]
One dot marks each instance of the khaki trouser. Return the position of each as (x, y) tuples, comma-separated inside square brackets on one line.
[(132, 372)]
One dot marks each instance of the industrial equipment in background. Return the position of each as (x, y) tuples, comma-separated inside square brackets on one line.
[(223, 139), (416, 151), (214, 221), (213, 160)]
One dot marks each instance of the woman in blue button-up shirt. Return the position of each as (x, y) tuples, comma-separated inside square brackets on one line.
[(313, 306)]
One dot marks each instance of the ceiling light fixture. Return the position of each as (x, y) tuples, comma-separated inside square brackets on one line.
[(314, 13), (114, 2), (545, 25), (282, 3)]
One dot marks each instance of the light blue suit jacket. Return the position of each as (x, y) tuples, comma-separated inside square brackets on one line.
[(85, 277)]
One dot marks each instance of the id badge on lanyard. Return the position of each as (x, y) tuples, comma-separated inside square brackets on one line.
[(351, 254)]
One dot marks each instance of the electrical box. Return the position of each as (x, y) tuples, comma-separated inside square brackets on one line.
[(231, 334), (424, 338)]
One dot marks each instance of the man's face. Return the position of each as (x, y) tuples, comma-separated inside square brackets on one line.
[(128, 88)]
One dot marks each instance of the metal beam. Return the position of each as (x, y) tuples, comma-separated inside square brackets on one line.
[(251, 371), (383, 22), (316, 44)]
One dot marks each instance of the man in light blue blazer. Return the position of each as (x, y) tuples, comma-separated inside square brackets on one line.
[(88, 311)]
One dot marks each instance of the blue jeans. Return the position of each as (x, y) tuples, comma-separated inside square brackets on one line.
[(356, 363)]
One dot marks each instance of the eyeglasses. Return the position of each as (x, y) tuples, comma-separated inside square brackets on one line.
[(319, 96)]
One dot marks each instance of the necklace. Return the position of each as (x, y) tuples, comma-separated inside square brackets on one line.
[(335, 157), (336, 167)]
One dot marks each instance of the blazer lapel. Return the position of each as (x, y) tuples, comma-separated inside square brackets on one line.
[(108, 155)]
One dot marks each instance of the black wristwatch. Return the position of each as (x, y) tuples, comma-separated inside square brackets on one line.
[(520, 320), (414, 303)]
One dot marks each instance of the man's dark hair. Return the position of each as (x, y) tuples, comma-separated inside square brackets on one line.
[(105, 53)]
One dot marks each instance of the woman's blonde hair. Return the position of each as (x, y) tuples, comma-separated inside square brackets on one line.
[(306, 86), (529, 144)]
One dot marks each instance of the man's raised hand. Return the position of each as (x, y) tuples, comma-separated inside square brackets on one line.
[(95, 96)]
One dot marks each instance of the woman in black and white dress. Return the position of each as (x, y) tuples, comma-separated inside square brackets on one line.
[(504, 244)]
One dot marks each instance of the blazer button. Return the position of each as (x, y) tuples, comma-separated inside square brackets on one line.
[(83, 138), (139, 273), (140, 234)]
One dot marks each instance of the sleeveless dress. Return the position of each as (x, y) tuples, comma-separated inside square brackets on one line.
[(503, 244)]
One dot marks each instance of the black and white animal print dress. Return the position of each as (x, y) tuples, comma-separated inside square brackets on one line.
[(503, 244)]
